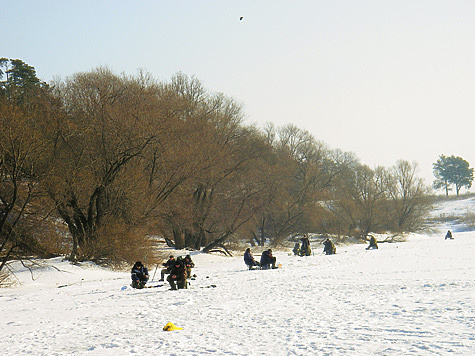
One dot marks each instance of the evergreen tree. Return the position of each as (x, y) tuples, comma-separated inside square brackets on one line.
[(452, 170), (16, 78)]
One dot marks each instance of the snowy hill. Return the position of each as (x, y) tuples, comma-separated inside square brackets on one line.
[(411, 298), (459, 214)]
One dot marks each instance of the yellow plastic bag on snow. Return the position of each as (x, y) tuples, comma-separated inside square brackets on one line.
[(171, 327)]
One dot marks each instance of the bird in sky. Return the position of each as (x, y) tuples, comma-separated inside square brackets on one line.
[(240, 19)]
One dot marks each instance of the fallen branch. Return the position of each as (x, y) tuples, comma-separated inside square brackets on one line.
[(169, 242), (392, 238), (217, 250), (226, 252)]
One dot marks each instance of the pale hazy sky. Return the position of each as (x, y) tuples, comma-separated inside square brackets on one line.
[(386, 80)]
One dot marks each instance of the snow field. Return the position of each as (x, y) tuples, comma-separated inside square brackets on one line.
[(411, 298)]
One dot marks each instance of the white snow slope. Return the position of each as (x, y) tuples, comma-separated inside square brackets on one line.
[(411, 298)]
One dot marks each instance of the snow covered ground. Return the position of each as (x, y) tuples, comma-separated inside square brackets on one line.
[(411, 298)]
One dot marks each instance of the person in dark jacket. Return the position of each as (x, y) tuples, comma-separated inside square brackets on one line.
[(373, 244), (296, 249), (448, 235), (177, 277), (189, 264), (305, 248), (329, 247), (267, 260), (139, 275), (168, 265), (249, 259)]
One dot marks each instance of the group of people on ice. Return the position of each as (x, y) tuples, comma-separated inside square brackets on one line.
[(178, 270), (303, 248), (267, 261)]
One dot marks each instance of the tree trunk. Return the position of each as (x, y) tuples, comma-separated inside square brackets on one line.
[(179, 239), (253, 239), (189, 238), (5, 258), (74, 256), (262, 238)]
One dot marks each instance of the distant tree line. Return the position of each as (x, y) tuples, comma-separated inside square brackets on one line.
[(452, 171), (96, 164)]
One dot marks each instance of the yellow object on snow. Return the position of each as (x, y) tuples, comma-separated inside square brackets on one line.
[(171, 327)]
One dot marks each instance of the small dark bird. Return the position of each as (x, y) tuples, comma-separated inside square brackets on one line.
[(240, 19)]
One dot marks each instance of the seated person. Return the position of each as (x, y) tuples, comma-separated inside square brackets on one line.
[(329, 248), (373, 244), (139, 275), (267, 260), (168, 265), (177, 277), (189, 264), (296, 249), (305, 250), (249, 259)]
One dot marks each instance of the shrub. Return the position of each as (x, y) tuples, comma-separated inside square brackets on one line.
[(117, 244)]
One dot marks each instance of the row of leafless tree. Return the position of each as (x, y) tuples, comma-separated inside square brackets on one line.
[(97, 163)]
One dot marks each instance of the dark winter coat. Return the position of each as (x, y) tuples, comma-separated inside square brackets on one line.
[(329, 248), (296, 249), (305, 249), (139, 274), (373, 243), (168, 265), (267, 259), (178, 272), (248, 259)]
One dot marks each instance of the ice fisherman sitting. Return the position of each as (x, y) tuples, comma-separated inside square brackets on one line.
[(139, 275), (267, 260), (373, 244), (249, 259)]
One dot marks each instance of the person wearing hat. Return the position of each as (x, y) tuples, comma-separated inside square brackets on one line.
[(177, 277), (329, 247), (305, 249), (168, 265), (189, 264), (267, 260), (139, 275), (448, 235)]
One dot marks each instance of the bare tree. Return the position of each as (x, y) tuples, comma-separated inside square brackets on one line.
[(407, 196), (23, 165), (299, 175), (358, 201), (106, 126)]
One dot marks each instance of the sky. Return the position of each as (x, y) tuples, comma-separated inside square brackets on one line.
[(386, 80)]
